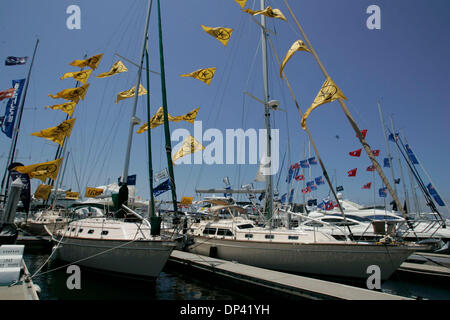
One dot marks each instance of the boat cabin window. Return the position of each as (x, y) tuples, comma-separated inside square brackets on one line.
[(313, 224), (59, 219), (209, 231), (245, 226), (224, 232), (292, 237), (357, 218), (269, 236), (105, 232), (80, 230), (382, 217), (91, 231), (332, 220), (73, 229), (68, 229), (248, 235)]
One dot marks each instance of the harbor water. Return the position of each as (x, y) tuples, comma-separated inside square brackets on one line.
[(176, 283)]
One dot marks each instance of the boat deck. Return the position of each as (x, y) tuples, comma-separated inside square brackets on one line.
[(294, 285), (24, 290)]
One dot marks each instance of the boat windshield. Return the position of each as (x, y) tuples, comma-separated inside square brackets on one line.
[(245, 226)]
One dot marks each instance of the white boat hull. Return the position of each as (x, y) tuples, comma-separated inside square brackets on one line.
[(340, 260), (143, 258)]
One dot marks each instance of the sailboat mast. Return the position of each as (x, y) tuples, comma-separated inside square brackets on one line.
[(383, 128), (350, 118), (412, 184), (269, 195), (12, 150), (166, 117), (401, 171), (151, 208), (133, 120)]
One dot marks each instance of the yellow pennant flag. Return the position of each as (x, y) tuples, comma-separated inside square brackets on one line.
[(43, 192), (205, 75), (130, 93), (241, 3), (298, 45), (190, 145), (268, 12), (58, 133), (186, 200), (92, 62), (81, 76), (93, 192), (67, 107), (73, 94), (41, 171), (117, 67), (220, 33), (328, 93), (158, 119), (72, 195)]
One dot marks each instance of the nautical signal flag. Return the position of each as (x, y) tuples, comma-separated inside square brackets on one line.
[(298, 45), (355, 153), (382, 192), (131, 93), (73, 94), (41, 171), (300, 177), (190, 145), (339, 188), (306, 190), (311, 184), (92, 62), (411, 155), (13, 61), (241, 3), (319, 180), (312, 161), (304, 164), (367, 186), (205, 75), (117, 68), (58, 133), (387, 163), (81, 76), (72, 195), (352, 172), (397, 181), (43, 192), (93, 192), (391, 137), (186, 200), (328, 93), (370, 168), (268, 12), (220, 33), (376, 153), (435, 195), (158, 119), (7, 94), (67, 107), (161, 188), (364, 133)]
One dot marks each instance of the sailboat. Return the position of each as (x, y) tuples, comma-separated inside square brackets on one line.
[(299, 251), (129, 245)]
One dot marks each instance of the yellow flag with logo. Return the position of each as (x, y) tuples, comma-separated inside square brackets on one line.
[(186, 200), (93, 192), (158, 119), (117, 67), (43, 192), (328, 93), (220, 33), (206, 75), (58, 133), (241, 3), (130, 93), (92, 62), (41, 171), (71, 195), (81, 76), (67, 107), (298, 45), (73, 94), (268, 12), (190, 145)]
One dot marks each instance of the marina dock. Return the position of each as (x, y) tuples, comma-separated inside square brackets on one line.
[(284, 283), (25, 289)]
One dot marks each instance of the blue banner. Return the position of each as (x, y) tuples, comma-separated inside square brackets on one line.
[(411, 155), (131, 180), (435, 195), (11, 108), (160, 189), (382, 192)]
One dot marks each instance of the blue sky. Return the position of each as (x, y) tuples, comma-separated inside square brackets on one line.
[(405, 64)]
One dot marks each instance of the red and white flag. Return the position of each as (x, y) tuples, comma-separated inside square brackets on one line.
[(367, 186), (355, 153), (352, 172)]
